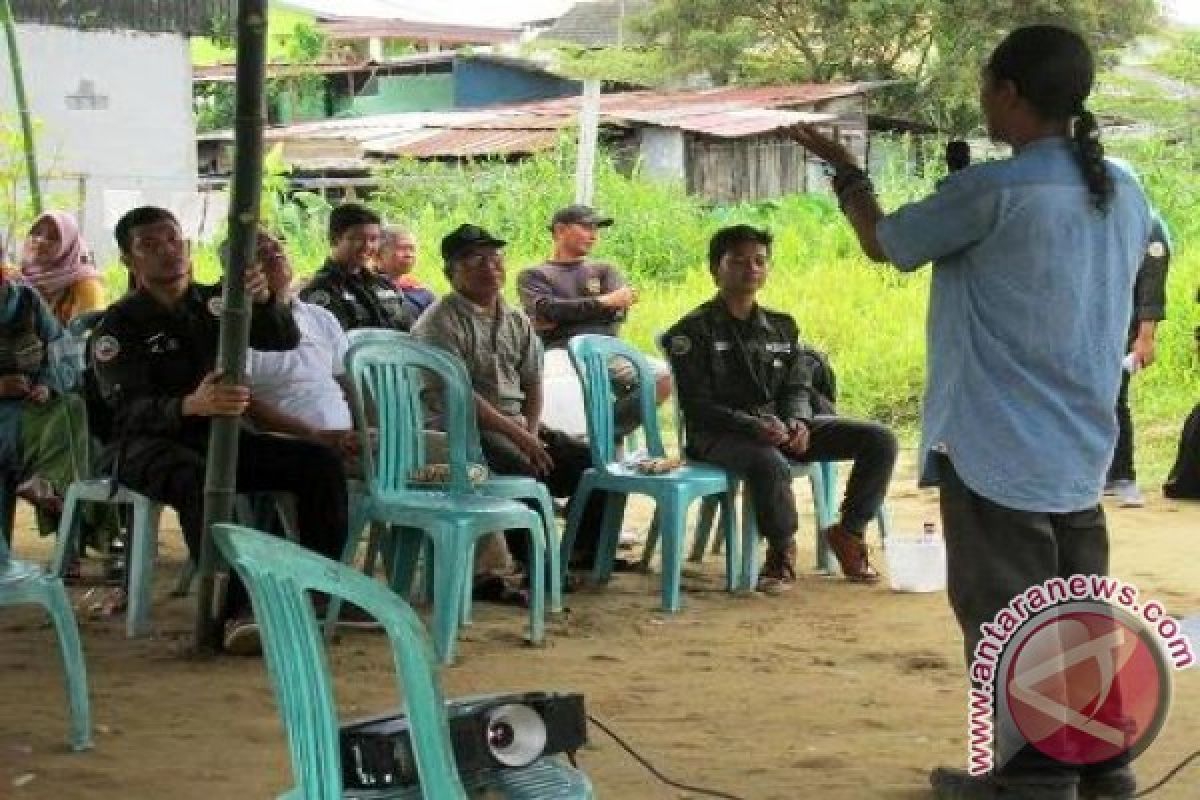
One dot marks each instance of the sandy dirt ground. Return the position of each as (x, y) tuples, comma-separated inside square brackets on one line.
[(832, 690)]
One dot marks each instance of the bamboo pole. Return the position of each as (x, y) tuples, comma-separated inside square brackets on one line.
[(14, 59), (221, 476)]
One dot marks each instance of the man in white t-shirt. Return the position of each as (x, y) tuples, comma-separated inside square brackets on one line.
[(299, 391)]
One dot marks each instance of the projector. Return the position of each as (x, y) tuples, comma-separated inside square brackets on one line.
[(486, 732)]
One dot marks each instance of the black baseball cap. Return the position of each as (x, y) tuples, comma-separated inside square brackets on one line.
[(464, 237), (580, 215)]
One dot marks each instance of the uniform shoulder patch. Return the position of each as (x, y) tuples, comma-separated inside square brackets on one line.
[(105, 348), (1156, 249), (319, 297), (680, 345), (216, 304)]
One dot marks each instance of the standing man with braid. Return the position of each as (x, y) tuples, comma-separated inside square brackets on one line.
[(1034, 259)]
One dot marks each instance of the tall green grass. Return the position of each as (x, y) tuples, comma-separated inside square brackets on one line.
[(869, 318)]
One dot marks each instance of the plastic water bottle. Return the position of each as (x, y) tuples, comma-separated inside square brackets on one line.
[(928, 532)]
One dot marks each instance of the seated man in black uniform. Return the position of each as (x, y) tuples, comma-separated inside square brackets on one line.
[(349, 285), (153, 356), (747, 400)]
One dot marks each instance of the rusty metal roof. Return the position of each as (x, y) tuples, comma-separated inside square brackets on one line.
[(528, 127), (362, 28), (464, 143)]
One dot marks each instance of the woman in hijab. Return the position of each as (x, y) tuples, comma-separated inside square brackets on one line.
[(58, 265)]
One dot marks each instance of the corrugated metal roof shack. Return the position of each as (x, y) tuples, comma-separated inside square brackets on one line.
[(723, 144)]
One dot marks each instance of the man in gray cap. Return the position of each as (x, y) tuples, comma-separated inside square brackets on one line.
[(570, 294)]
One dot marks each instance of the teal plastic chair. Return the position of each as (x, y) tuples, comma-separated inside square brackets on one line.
[(672, 492), (383, 377), (279, 577), (507, 487), (143, 535), (22, 583)]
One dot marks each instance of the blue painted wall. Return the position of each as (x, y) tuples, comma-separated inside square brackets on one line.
[(481, 83)]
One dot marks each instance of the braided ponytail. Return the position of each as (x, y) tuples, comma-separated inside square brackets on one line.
[(1086, 133), (1053, 70)]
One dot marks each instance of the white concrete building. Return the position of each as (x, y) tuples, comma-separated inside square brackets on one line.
[(113, 114)]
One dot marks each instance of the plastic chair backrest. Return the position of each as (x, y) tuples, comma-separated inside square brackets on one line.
[(591, 353), (79, 329), (278, 576), (386, 375), (680, 430)]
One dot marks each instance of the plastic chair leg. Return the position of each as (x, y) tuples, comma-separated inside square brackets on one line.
[(651, 544), (708, 509), (820, 479), (554, 567), (67, 541), (748, 579), (450, 569), (732, 550), (143, 549), (610, 531), (74, 667), (537, 582), (673, 518)]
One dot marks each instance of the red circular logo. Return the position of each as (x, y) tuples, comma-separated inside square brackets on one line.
[(1087, 685)]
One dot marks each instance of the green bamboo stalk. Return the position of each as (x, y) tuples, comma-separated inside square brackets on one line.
[(221, 475), (14, 59)]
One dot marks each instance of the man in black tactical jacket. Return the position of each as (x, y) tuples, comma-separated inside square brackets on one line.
[(153, 357), (349, 285), (749, 405)]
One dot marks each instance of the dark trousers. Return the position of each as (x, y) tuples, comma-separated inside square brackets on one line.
[(768, 476), (173, 473), (1122, 468), (571, 457), (994, 553)]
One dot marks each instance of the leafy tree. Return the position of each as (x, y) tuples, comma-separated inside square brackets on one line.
[(935, 47)]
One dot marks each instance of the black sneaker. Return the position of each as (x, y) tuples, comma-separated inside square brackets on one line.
[(242, 638), (778, 574)]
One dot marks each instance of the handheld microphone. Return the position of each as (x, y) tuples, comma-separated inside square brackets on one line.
[(958, 155)]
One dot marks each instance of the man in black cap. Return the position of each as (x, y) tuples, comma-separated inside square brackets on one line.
[(570, 294), (503, 356), (348, 285)]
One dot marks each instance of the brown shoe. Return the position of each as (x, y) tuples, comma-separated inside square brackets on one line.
[(779, 570), (851, 554)]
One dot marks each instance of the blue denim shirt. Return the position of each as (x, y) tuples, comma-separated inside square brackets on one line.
[(1028, 313)]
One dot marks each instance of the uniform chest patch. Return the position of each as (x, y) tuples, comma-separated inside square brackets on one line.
[(106, 348), (778, 347), (680, 345), (160, 343), (216, 305), (593, 285), (721, 347)]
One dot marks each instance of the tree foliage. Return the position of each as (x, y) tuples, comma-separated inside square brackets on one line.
[(935, 47)]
